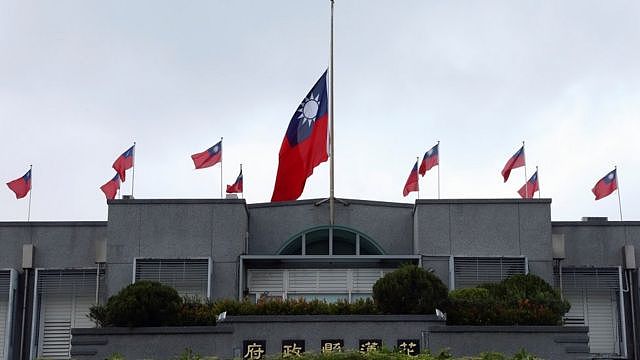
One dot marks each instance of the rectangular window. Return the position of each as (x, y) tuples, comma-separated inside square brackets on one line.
[(8, 283), (594, 294), (63, 299), (190, 277), (473, 271), (330, 285)]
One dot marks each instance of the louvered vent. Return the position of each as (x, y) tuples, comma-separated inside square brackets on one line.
[(473, 271), (589, 278), (190, 277), (65, 298), (5, 280)]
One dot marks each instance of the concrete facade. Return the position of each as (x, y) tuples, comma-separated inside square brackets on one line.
[(242, 239)]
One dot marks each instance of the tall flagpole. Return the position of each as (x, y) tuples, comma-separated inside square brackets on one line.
[(133, 172), (30, 192), (526, 180), (438, 145), (417, 160), (242, 192), (332, 215), (538, 180), (618, 185), (221, 168)]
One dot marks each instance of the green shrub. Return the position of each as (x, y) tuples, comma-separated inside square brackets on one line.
[(517, 300), (194, 312), (294, 307), (144, 303), (409, 290)]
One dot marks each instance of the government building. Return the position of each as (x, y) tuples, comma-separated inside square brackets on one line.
[(52, 272)]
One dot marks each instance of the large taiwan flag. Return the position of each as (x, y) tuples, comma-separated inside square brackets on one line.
[(305, 144)]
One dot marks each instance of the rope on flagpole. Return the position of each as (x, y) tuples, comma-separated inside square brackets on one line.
[(30, 192), (438, 145), (133, 171), (526, 180), (332, 214), (417, 177), (615, 168), (538, 180), (221, 167)]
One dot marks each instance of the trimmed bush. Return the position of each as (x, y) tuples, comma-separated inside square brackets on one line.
[(144, 303), (517, 300), (294, 307), (409, 290)]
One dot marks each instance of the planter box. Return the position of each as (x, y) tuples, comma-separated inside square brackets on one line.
[(238, 335)]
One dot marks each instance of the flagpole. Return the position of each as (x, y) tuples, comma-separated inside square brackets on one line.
[(538, 180), (526, 180), (331, 134), (133, 172), (438, 145), (221, 167), (618, 185), (418, 177), (30, 192), (242, 192)]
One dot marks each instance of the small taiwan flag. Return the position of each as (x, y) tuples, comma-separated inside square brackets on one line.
[(606, 185), (516, 161), (412, 181), (527, 190), (209, 157), (237, 186), (21, 185), (124, 162), (110, 189), (429, 160)]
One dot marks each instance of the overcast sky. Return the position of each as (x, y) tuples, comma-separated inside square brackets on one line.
[(81, 80)]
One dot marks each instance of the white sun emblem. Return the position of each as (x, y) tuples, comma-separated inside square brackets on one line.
[(610, 176), (309, 109)]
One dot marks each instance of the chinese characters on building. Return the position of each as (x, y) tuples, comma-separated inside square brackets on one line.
[(331, 345), (292, 348), (409, 347), (369, 345), (254, 349)]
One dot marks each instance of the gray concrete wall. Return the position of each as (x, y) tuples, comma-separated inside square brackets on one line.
[(388, 224), (486, 227), (177, 229), (546, 342), (225, 340), (597, 243), (57, 244)]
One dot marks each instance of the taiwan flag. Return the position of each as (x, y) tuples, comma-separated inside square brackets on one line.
[(110, 189), (209, 157), (606, 185), (21, 185), (304, 145), (429, 160), (527, 190), (516, 161), (412, 181), (124, 162), (237, 186)]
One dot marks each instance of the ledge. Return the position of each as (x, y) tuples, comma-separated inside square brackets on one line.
[(331, 318), (509, 329), (221, 329)]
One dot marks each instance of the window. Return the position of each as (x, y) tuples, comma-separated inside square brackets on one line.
[(473, 271), (8, 282), (594, 294), (324, 284), (327, 240), (190, 277), (63, 299)]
